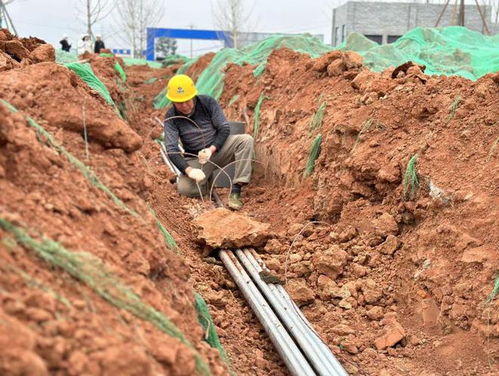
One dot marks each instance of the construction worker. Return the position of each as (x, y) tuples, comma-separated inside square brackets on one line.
[(204, 132), (99, 44), (65, 46), (84, 45)]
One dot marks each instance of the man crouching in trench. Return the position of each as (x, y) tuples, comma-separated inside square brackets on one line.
[(198, 122)]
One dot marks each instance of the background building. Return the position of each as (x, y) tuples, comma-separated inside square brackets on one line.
[(385, 22)]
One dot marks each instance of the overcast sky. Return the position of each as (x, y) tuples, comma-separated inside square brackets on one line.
[(50, 19)]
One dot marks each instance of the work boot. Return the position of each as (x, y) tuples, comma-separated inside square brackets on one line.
[(235, 202)]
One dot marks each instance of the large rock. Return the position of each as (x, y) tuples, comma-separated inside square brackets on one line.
[(222, 228), (330, 262)]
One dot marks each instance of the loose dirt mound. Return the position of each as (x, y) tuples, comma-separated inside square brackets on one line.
[(57, 95), (411, 248), (15, 52)]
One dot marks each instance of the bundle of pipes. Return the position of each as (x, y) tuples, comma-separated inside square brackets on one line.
[(301, 349)]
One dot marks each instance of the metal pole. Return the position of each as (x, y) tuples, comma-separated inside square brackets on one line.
[(290, 353)]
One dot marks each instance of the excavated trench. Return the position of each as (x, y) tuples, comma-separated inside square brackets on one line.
[(392, 272)]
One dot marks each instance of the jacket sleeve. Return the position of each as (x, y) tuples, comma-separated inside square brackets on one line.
[(220, 124), (171, 143)]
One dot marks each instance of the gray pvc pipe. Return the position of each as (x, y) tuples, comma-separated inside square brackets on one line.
[(300, 332), (312, 352), (290, 353), (302, 320)]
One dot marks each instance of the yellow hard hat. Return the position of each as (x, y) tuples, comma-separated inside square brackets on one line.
[(181, 88)]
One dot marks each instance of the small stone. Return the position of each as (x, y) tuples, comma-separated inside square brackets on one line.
[(345, 304), (375, 313), (273, 246), (393, 333), (342, 330), (371, 291), (300, 292), (330, 262), (390, 245), (386, 225), (38, 314), (350, 347)]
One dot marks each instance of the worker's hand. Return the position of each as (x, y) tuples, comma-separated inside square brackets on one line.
[(196, 174), (204, 155)]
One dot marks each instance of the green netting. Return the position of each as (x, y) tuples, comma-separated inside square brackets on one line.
[(211, 81), (129, 61), (209, 328), (85, 71), (118, 68), (451, 50), (63, 57), (94, 273), (315, 150), (256, 124)]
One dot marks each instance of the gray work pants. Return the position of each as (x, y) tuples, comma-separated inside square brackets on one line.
[(236, 148)]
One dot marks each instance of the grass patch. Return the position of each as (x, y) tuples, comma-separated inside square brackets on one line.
[(233, 99), (453, 108), (90, 270), (258, 107), (411, 180), (315, 150), (365, 128), (318, 116), (494, 292)]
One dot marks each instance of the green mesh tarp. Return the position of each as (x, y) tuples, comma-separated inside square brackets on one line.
[(118, 68), (211, 81), (131, 61), (209, 328), (451, 50), (63, 57), (85, 71)]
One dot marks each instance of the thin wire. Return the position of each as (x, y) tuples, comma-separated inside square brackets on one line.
[(208, 161), (183, 117), (223, 170)]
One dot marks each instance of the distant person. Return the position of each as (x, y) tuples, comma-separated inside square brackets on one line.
[(65, 43), (85, 45), (99, 44)]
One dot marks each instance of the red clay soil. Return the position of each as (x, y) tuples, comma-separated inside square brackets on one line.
[(366, 260), (395, 284), (15, 52)]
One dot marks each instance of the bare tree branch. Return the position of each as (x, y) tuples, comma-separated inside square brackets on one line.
[(133, 17), (90, 12), (232, 17)]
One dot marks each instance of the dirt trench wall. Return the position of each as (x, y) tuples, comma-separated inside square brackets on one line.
[(435, 244), (64, 323)]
